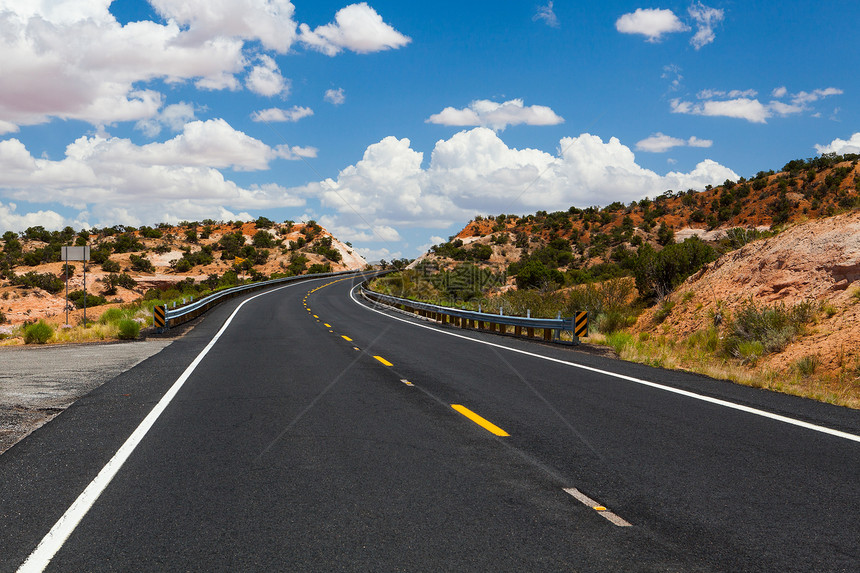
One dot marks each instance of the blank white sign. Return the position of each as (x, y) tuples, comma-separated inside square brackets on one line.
[(76, 253)]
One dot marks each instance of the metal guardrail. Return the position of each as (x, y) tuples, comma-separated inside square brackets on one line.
[(165, 318), (522, 326)]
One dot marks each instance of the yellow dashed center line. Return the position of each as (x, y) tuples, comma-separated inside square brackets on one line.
[(347, 338), (327, 325), (383, 360), (486, 424)]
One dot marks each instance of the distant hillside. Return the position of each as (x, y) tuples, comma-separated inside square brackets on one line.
[(752, 281), (594, 242), (129, 263)]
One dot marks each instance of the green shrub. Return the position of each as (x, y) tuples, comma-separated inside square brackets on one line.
[(613, 321), (128, 329), (750, 351), (602, 298), (708, 339), (45, 281), (619, 340), (664, 312), (183, 265), (774, 326), (112, 281), (141, 264), (535, 274), (317, 268), (152, 294), (77, 297), (38, 333), (806, 366), (112, 315), (110, 266), (264, 240), (659, 272)]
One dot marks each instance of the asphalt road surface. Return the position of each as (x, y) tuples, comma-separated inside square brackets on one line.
[(298, 430)]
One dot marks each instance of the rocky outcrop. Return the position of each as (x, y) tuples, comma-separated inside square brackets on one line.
[(817, 261)]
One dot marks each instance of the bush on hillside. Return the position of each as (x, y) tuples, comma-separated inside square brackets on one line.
[(535, 274), (45, 281), (141, 264), (659, 272), (38, 333), (774, 327), (78, 297)]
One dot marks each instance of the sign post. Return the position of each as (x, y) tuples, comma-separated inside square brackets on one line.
[(75, 254)]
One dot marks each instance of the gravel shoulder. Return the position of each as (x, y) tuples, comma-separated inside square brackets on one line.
[(37, 383)]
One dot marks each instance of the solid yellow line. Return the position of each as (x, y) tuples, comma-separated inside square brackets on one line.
[(347, 338), (383, 360), (486, 424)]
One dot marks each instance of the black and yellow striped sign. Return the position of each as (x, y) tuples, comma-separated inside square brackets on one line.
[(158, 313), (581, 324)]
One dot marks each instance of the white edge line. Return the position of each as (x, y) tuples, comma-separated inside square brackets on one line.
[(60, 532), (688, 394)]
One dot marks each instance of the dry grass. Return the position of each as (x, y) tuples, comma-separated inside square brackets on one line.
[(92, 332), (694, 356)]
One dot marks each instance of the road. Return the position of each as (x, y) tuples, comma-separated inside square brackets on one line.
[(316, 434)]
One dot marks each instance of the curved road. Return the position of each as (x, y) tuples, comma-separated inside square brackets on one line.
[(316, 433)]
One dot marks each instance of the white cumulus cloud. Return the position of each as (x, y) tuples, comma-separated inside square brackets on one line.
[(269, 21), (732, 94), (335, 97), (706, 18), (475, 171), (265, 79), (547, 15), (121, 182), (805, 98), (660, 143), (743, 104), (358, 28), (652, 23), (495, 115), (73, 60), (274, 115), (751, 110), (12, 221), (173, 117), (841, 146)]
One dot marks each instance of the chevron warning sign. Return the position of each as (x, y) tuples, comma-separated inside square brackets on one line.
[(159, 320), (581, 324)]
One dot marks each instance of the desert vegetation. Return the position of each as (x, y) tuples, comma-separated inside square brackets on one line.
[(635, 268), (130, 269)]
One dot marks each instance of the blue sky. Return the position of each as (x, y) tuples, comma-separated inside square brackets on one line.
[(393, 123)]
